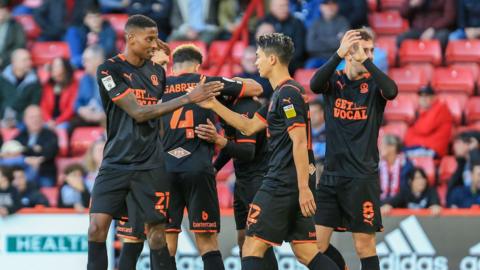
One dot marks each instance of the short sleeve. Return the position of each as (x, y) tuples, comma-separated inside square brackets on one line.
[(231, 87), (291, 106), (262, 113), (247, 108), (110, 82)]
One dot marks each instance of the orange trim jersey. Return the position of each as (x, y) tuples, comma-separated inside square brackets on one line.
[(130, 145), (287, 110)]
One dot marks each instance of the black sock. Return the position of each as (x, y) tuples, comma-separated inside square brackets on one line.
[(173, 262), (252, 263), (370, 263), (322, 262), (335, 256), (213, 261), (129, 256), (269, 260), (160, 259), (97, 256)]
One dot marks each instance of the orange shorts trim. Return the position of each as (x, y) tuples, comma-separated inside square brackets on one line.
[(173, 230), (119, 235), (303, 241), (246, 141), (266, 241), (204, 231)]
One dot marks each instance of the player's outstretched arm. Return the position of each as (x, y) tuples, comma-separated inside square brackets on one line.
[(319, 81), (247, 126), (252, 87), (298, 135), (141, 113)]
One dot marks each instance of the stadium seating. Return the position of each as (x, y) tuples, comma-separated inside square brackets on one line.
[(428, 165), (51, 193), (426, 68), (472, 110), (303, 76), (400, 109), (387, 23), (453, 80), (225, 195), (463, 51), (225, 172), (442, 194), (118, 22), (83, 137), (408, 79), (218, 48), (398, 129), (391, 4), (456, 104), (62, 163), (472, 67), (9, 133), (45, 52), (448, 165), (420, 51), (29, 26), (388, 44), (62, 141)]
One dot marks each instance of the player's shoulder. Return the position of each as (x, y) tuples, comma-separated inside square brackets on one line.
[(111, 64), (291, 88), (184, 78)]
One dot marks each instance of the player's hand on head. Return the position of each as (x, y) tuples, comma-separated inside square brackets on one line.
[(204, 91), (307, 202), (207, 132), (350, 38)]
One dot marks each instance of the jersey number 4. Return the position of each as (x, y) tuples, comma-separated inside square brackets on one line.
[(187, 123)]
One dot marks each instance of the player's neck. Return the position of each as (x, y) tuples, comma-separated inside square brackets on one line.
[(132, 58), (278, 76), (352, 74)]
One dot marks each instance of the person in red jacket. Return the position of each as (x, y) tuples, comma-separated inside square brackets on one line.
[(433, 128), (59, 94)]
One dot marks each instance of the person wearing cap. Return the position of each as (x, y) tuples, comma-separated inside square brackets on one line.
[(323, 37), (431, 132)]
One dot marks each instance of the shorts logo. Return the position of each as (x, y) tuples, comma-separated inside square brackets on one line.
[(179, 152), (204, 216), (368, 213), (108, 83), (364, 88), (154, 80), (253, 214), (289, 111)]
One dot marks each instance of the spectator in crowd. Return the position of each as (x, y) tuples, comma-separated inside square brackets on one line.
[(432, 129), (40, 142), (74, 193), (160, 11), (418, 195), (54, 16), (468, 20), (12, 35), (464, 146), (19, 88), (285, 23), (93, 159), (59, 94), (94, 30), (467, 196), (194, 20), (262, 28), (318, 130), (323, 37), (250, 71), (428, 20), (114, 6), (11, 155), (88, 105), (30, 195), (355, 12), (394, 167), (9, 199)]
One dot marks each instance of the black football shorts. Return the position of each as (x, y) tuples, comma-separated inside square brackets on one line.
[(243, 194)]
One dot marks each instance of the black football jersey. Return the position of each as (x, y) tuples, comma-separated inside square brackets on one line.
[(353, 116), (288, 109), (130, 145), (247, 170), (184, 151)]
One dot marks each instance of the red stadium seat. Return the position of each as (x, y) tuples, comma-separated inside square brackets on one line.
[(52, 195), (426, 68), (442, 194), (9, 133), (398, 129), (63, 162), (118, 22), (225, 197), (463, 51), (303, 76), (62, 141), (420, 51), (448, 165), (388, 44), (472, 127), (408, 79), (456, 104), (387, 23), (225, 172), (200, 44), (83, 137), (45, 52), (29, 26), (219, 47), (473, 67), (400, 109), (391, 4), (453, 80), (472, 111), (372, 5), (428, 165)]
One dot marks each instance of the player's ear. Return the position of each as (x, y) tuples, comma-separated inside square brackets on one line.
[(272, 59), (197, 67)]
